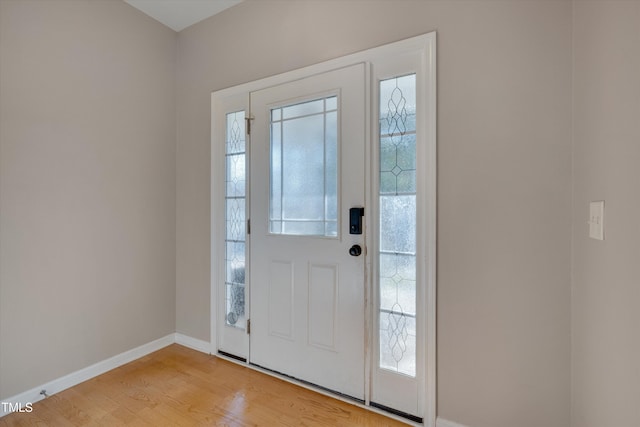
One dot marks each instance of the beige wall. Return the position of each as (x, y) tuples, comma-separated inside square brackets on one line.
[(504, 179), (606, 274), (87, 186), (105, 226)]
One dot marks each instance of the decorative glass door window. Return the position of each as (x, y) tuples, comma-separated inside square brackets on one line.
[(397, 201), (304, 168), (235, 219)]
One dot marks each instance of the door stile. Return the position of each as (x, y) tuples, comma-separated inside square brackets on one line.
[(368, 234)]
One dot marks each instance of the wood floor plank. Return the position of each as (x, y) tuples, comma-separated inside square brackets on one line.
[(177, 386)]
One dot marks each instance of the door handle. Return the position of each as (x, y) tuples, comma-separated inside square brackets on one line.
[(355, 250)]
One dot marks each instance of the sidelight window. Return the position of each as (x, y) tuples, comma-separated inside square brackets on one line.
[(397, 244), (235, 219)]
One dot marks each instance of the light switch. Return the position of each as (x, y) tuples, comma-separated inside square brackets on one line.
[(596, 220)]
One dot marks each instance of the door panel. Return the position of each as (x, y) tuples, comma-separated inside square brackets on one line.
[(307, 169), (281, 299), (323, 306)]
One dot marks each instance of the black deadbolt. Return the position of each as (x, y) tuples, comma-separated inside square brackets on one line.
[(355, 220)]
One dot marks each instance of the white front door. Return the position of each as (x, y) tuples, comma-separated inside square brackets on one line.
[(308, 281)]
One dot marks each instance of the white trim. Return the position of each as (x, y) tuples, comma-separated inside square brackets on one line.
[(440, 422), (422, 63), (215, 270), (193, 343), (369, 239), (52, 387), (82, 375), (430, 338), (412, 44)]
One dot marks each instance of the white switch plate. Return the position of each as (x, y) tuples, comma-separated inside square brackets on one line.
[(596, 220)]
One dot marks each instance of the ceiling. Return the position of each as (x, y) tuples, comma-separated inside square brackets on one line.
[(179, 14)]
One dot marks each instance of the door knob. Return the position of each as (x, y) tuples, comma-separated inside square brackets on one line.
[(355, 250)]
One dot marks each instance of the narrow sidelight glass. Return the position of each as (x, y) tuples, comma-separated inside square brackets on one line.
[(397, 209), (235, 219)]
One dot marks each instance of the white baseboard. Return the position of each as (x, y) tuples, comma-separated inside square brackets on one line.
[(193, 343), (74, 378), (440, 422)]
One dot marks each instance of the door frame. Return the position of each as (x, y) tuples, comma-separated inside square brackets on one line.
[(424, 47)]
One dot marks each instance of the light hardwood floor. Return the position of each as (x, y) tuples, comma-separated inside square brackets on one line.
[(177, 386)]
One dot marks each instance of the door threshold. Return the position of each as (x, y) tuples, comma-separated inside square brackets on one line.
[(314, 386), (372, 407), (410, 417), (232, 356)]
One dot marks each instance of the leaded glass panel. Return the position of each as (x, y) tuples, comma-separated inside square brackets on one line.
[(235, 219), (397, 209)]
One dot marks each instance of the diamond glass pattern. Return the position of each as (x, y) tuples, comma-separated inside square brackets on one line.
[(397, 202), (235, 218)]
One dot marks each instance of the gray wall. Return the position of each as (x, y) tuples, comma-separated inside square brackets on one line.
[(87, 186), (91, 245), (504, 179), (606, 274)]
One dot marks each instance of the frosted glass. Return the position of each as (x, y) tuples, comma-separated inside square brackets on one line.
[(235, 141), (397, 94), (331, 166), (235, 218), (407, 125), (398, 164), (276, 172), (303, 109), (388, 154), (311, 228), (331, 103), (304, 169), (235, 301), (236, 175), (235, 272), (398, 343), (398, 282), (397, 210), (406, 152), (235, 262), (398, 224)]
